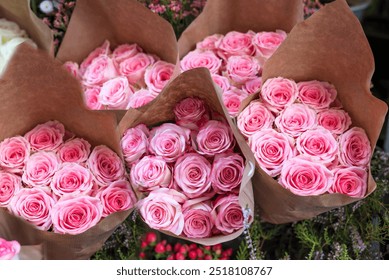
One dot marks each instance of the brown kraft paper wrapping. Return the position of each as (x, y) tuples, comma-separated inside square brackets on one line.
[(329, 46), (36, 89), (19, 12), (223, 16), (193, 83)]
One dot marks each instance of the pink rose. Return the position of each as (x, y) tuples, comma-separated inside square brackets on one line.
[(134, 68), (47, 136), (236, 43), (102, 69), (266, 43), (76, 214), (158, 75), (91, 98), (10, 184), (196, 59), (242, 68), (141, 98), (296, 119), (351, 181), (72, 68), (210, 42), (135, 143), (14, 153), (319, 145), (214, 137), (33, 205), (150, 173), (125, 51), (304, 177), (319, 95), (271, 149), (335, 120), (229, 214), (9, 250), (252, 86), (279, 93), (103, 50), (74, 150), (191, 113), (355, 147), (105, 165), (198, 220), (161, 211), (254, 117), (169, 141), (40, 169), (227, 173), (117, 197), (232, 99), (221, 81), (116, 93), (192, 175)]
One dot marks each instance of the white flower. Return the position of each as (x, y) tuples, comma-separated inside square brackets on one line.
[(10, 30), (46, 7)]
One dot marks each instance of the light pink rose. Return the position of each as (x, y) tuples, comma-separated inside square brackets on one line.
[(252, 86), (158, 75), (266, 43), (317, 94), (117, 197), (135, 143), (150, 173), (161, 211), (14, 153), (134, 68), (198, 220), (296, 119), (227, 173), (304, 177), (319, 145), (9, 250), (76, 214), (242, 68), (351, 181), (210, 42), (221, 81), (105, 165), (47, 136), (335, 120), (103, 50), (33, 205), (102, 69), (214, 137), (232, 99), (229, 214), (191, 113), (141, 98), (72, 68), (125, 51), (10, 184), (254, 117), (271, 149), (197, 58), (91, 98), (40, 169), (235, 43), (279, 93), (192, 175), (116, 93), (74, 150), (169, 141), (354, 147)]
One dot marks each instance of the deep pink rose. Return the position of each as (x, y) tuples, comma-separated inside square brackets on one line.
[(252, 86), (354, 147), (9, 250), (40, 169), (196, 59), (304, 177), (33, 205), (116, 93), (191, 113), (47, 136), (134, 68), (227, 173), (254, 117), (232, 99), (242, 68), (271, 149), (158, 75), (102, 69), (141, 98), (76, 214), (229, 214), (296, 119), (125, 51), (103, 50), (235, 43), (10, 184), (105, 165), (150, 173), (351, 181), (266, 43), (221, 81), (72, 68), (14, 153), (210, 42), (317, 94), (335, 120), (91, 98), (198, 220), (279, 93), (135, 143), (74, 150)]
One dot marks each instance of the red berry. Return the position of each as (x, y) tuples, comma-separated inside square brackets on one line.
[(150, 237), (168, 248), (192, 246), (207, 248), (199, 252), (177, 247), (142, 255), (143, 244), (160, 248), (179, 256), (207, 257), (170, 257), (228, 252), (192, 255), (217, 249), (184, 249), (223, 258)]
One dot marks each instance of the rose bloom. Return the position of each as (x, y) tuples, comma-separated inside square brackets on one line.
[(227, 173), (125, 51), (196, 59), (33, 205), (266, 43), (40, 169), (162, 210), (101, 70), (74, 150), (210, 42), (72, 68), (254, 117), (296, 119), (232, 99), (10, 184), (76, 214), (117, 197), (350, 180), (91, 98), (191, 113), (9, 250), (317, 94), (141, 98), (252, 86), (271, 149), (14, 153), (105, 165), (135, 143), (279, 93), (221, 81), (192, 175), (304, 177), (354, 147), (150, 173), (198, 220), (242, 68), (103, 50), (235, 43), (158, 75), (318, 144), (116, 93), (229, 214), (169, 141), (335, 120), (134, 68), (47, 136), (214, 137)]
